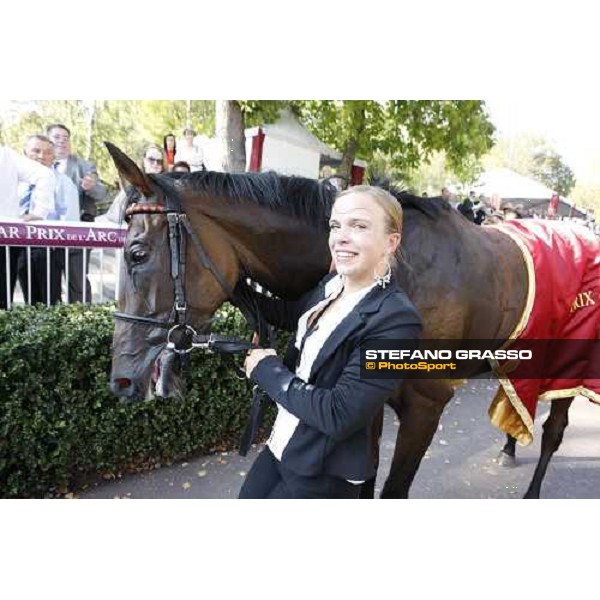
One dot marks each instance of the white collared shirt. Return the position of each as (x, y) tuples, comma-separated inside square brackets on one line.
[(17, 169), (286, 423), (60, 165)]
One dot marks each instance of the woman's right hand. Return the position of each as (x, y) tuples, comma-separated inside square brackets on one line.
[(254, 357)]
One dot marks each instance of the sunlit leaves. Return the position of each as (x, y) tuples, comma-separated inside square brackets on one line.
[(406, 132)]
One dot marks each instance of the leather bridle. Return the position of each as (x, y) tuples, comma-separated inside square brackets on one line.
[(182, 337)]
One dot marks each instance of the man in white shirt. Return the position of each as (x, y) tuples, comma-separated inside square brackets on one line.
[(66, 197), (15, 169), (66, 208)]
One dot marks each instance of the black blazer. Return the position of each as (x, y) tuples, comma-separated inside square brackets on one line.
[(336, 407)]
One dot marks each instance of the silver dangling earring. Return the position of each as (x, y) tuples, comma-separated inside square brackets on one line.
[(383, 280)]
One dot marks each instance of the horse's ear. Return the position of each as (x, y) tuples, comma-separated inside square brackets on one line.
[(128, 170)]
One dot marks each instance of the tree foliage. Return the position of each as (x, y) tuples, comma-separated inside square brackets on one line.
[(516, 153), (405, 132), (401, 133), (549, 168), (533, 156), (260, 112), (130, 124), (431, 176), (587, 195)]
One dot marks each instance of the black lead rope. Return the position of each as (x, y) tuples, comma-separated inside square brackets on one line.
[(255, 419), (267, 338), (226, 347)]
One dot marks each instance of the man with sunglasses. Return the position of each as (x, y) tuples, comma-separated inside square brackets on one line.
[(153, 161)]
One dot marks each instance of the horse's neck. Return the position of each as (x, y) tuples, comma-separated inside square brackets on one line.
[(284, 255), (289, 261)]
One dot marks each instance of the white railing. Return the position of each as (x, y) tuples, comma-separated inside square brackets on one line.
[(102, 241)]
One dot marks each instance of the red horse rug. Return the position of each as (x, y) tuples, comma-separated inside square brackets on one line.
[(562, 311)]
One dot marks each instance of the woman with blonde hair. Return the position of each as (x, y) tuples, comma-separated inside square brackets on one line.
[(320, 445)]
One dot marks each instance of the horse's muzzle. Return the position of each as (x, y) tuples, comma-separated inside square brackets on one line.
[(125, 389)]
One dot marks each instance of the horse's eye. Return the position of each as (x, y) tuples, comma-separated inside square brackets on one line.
[(138, 255)]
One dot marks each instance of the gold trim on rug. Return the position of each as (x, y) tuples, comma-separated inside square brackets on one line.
[(580, 390), (503, 415), (530, 287), (506, 411)]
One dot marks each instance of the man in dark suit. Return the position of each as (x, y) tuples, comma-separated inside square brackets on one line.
[(84, 175)]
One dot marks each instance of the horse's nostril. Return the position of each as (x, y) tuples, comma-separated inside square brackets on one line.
[(123, 383)]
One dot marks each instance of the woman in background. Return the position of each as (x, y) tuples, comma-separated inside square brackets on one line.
[(190, 152), (153, 161), (170, 150)]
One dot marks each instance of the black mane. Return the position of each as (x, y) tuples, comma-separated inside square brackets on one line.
[(299, 197), (433, 207)]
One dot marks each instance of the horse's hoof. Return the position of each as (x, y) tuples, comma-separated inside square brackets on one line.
[(393, 494), (531, 495), (505, 460)]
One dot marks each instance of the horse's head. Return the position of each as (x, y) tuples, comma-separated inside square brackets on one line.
[(155, 265)]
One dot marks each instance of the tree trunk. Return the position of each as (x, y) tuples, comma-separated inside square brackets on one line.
[(230, 135), (89, 111), (345, 169), (358, 121)]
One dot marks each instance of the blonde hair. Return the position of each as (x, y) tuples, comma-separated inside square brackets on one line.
[(391, 207)]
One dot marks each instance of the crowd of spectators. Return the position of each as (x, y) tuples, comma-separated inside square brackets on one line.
[(46, 180), (486, 211)]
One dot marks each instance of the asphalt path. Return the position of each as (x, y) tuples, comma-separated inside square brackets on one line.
[(460, 463)]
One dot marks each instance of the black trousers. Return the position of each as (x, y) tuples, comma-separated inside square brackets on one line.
[(268, 478), (76, 276), (14, 254), (38, 292)]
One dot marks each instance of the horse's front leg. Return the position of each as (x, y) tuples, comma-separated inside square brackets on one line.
[(419, 409), (507, 456)]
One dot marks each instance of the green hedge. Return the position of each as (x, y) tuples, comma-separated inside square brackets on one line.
[(59, 423)]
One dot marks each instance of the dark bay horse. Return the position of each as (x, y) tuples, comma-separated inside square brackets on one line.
[(467, 282)]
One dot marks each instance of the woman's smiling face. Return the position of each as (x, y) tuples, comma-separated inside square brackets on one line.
[(358, 239)]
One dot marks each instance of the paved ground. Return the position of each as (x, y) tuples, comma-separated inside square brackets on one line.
[(459, 464)]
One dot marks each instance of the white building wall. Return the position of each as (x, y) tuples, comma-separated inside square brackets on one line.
[(289, 159), (212, 155)]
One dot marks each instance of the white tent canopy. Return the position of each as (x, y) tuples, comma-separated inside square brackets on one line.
[(508, 184), (504, 185), (288, 128)]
